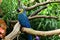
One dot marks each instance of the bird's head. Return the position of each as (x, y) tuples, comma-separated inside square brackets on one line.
[(20, 10)]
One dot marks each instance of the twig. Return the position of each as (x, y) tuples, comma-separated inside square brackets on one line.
[(41, 4)]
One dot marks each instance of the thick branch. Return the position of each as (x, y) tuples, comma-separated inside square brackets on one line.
[(41, 33), (37, 11), (16, 29), (14, 33), (41, 4)]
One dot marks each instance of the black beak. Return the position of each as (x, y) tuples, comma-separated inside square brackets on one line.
[(18, 10)]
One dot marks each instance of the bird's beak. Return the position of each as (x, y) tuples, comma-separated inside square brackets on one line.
[(20, 10)]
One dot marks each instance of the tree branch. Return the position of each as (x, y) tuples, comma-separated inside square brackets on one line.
[(41, 33), (16, 29), (42, 16), (36, 16), (37, 11), (40, 4), (14, 33)]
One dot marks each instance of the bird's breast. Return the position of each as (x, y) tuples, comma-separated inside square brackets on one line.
[(23, 20)]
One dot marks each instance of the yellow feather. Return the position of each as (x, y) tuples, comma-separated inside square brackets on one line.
[(21, 10)]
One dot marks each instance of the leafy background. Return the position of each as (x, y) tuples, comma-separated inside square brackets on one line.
[(8, 12)]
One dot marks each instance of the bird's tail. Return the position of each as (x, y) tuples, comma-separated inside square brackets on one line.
[(29, 37)]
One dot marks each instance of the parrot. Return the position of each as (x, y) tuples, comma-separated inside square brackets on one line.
[(23, 20)]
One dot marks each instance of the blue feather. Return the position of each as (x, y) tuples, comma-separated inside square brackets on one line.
[(23, 20)]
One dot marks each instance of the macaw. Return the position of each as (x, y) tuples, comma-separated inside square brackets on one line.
[(23, 20)]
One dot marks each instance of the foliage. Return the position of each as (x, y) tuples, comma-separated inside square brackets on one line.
[(9, 10)]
